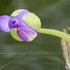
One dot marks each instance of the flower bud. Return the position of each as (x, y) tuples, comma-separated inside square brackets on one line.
[(22, 25), (20, 31)]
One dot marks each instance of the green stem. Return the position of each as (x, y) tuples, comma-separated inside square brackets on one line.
[(55, 33)]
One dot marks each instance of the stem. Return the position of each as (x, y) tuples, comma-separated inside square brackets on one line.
[(55, 33)]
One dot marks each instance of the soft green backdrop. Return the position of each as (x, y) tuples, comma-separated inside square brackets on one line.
[(45, 52)]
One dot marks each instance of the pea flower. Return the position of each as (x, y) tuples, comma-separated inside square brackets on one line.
[(17, 27), (24, 25)]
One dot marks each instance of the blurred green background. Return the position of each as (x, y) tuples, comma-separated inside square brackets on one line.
[(45, 52)]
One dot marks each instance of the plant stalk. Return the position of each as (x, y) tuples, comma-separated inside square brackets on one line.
[(55, 33)]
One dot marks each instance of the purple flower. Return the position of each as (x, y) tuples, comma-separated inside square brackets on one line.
[(25, 32)]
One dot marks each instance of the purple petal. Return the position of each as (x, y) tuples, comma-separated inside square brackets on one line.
[(14, 22), (4, 23), (26, 33), (23, 13)]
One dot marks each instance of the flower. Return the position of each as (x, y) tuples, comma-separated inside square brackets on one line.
[(23, 31), (18, 27)]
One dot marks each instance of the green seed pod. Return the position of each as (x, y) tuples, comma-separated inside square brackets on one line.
[(32, 20)]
